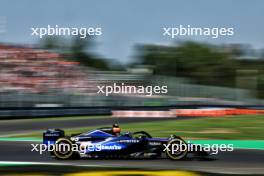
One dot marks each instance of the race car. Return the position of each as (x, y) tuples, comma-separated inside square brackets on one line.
[(109, 142)]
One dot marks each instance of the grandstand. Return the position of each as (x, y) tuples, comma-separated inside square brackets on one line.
[(28, 70)]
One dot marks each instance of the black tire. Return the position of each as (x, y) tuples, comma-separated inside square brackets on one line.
[(181, 153), (62, 151)]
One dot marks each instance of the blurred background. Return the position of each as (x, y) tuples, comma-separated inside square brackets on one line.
[(65, 71)]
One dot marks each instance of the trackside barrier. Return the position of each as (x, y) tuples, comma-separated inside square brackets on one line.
[(210, 112), (203, 112), (215, 112), (142, 113)]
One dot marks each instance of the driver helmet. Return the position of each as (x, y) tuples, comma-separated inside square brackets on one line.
[(116, 129)]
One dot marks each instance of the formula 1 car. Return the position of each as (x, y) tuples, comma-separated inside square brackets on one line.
[(108, 142)]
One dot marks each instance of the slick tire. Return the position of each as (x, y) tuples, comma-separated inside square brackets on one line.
[(64, 149), (177, 149)]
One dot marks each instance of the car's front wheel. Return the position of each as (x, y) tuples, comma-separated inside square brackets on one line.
[(176, 149)]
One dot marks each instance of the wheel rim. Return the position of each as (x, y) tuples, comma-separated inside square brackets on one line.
[(178, 149), (63, 149)]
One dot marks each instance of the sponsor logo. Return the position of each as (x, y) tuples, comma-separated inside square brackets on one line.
[(129, 141), (154, 143)]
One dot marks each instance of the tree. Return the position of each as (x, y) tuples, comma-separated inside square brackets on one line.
[(203, 63), (78, 49)]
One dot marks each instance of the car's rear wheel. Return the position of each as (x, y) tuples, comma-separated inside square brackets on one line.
[(177, 149), (64, 149)]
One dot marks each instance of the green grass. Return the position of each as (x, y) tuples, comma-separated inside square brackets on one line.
[(230, 127)]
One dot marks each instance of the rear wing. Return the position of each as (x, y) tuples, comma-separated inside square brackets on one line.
[(51, 135)]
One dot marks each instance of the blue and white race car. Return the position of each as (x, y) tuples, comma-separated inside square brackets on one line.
[(109, 142)]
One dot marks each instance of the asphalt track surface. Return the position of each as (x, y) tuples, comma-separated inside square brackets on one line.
[(238, 161)]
